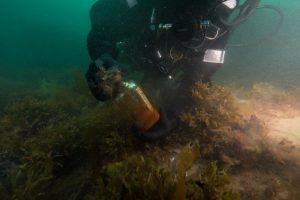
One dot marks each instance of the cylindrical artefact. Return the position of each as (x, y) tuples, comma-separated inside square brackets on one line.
[(134, 100)]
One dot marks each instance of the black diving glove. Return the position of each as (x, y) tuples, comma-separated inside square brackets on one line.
[(104, 77), (161, 129), (103, 83)]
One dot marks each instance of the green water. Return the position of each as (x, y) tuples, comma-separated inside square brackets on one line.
[(39, 37), (276, 60)]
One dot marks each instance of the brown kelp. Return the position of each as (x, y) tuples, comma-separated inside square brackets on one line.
[(60, 142), (45, 136), (57, 142), (241, 143), (141, 178)]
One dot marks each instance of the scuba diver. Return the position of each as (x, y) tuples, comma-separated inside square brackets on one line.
[(175, 44)]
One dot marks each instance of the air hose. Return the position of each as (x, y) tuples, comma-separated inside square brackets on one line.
[(268, 37), (246, 10)]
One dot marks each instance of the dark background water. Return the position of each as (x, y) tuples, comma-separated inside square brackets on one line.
[(43, 39)]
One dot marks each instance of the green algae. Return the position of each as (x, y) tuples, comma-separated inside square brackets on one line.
[(64, 144), (84, 154), (213, 108), (141, 178), (47, 136)]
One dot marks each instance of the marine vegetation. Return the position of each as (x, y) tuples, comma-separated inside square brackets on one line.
[(141, 178), (46, 136), (57, 142), (240, 143), (213, 119), (213, 108)]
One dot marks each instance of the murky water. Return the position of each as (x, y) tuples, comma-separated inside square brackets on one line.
[(43, 56)]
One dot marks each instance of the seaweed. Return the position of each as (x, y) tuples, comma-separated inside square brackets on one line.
[(185, 159), (31, 115), (3, 193), (140, 178), (213, 109), (48, 134), (134, 178), (37, 170), (62, 144), (213, 120)]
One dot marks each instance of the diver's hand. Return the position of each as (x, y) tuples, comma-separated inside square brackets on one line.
[(161, 129), (103, 83)]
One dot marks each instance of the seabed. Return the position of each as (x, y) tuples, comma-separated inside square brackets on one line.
[(57, 142)]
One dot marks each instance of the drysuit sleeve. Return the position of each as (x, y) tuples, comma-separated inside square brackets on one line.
[(101, 40)]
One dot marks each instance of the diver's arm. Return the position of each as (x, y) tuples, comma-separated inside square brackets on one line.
[(101, 44), (98, 46), (102, 50), (100, 41)]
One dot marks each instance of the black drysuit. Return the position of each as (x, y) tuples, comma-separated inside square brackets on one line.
[(128, 22)]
